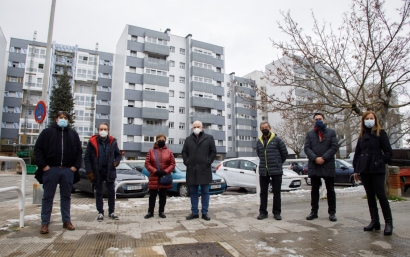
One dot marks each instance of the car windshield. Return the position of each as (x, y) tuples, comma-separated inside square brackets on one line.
[(123, 168), (181, 166), (346, 164)]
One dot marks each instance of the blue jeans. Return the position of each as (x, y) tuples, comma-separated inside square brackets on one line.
[(195, 198), (51, 178)]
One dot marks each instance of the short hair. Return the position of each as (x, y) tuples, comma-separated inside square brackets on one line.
[(103, 123), (318, 113), (161, 135), (63, 113), (264, 122)]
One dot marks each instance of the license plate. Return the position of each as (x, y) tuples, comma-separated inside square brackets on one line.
[(215, 186), (296, 183), (134, 187)]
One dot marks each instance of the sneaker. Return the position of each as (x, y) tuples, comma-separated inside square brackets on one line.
[(100, 217), (113, 216), (332, 217)]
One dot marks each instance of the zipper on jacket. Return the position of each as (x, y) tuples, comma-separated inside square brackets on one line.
[(62, 146)]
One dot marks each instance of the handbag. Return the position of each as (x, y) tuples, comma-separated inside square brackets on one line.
[(165, 180)]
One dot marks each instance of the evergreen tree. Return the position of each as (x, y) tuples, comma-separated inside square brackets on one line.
[(62, 99)]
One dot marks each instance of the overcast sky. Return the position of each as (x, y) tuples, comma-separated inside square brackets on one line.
[(244, 28)]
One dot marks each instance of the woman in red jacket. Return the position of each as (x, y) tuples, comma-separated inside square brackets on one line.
[(166, 166)]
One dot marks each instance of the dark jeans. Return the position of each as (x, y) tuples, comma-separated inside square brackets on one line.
[(51, 178), (331, 195), (98, 187), (194, 195), (276, 187), (162, 199), (374, 186)]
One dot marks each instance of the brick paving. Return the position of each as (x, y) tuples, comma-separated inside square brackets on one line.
[(233, 227)]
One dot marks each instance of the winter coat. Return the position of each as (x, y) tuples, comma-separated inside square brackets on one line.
[(326, 149), (372, 153), (166, 162), (272, 156), (91, 158), (56, 146), (198, 154)]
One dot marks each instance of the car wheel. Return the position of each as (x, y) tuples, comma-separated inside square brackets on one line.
[(183, 190), (308, 182)]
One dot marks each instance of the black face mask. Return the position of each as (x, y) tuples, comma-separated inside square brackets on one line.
[(161, 143), (265, 132)]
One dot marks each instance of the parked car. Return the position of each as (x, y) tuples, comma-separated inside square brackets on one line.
[(241, 172), (344, 173), (135, 164), (217, 186), (124, 172), (214, 165)]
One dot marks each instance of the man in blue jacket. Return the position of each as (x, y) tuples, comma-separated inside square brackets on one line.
[(58, 157), (272, 153), (101, 157)]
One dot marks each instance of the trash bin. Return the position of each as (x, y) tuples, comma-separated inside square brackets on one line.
[(31, 169)]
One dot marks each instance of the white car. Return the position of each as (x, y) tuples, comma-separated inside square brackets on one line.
[(242, 172)]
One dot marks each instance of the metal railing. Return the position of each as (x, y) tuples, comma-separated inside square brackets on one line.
[(20, 190)]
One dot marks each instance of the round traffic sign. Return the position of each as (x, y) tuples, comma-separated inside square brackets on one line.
[(40, 112)]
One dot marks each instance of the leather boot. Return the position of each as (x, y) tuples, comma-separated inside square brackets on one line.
[(44, 229), (388, 219), (375, 223)]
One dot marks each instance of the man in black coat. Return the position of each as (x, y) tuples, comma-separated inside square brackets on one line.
[(272, 153), (320, 148), (58, 157), (199, 152)]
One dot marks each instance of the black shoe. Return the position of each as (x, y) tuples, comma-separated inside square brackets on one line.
[(149, 215), (206, 217), (312, 216), (388, 229), (162, 215), (192, 216), (332, 217), (277, 217), (113, 216), (100, 217), (262, 216), (374, 224)]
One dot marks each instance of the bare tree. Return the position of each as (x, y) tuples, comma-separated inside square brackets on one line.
[(361, 65)]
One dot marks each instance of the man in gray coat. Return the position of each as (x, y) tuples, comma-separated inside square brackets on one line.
[(272, 153), (199, 152), (320, 148)]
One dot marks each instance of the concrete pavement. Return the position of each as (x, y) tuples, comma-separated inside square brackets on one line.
[(233, 227)]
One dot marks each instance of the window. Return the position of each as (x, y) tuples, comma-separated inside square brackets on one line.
[(218, 56), (130, 120), (181, 110), (218, 70), (170, 141), (220, 143), (232, 164), (229, 127), (229, 138), (219, 113), (41, 66), (182, 51), (171, 93), (229, 149), (149, 139), (130, 138), (228, 105), (219, 127), (171, 64), (219, 98), (134, 38), (171, 125), (229, 116), (134, 53), (182, 80), (247, 165), (182, 65), (171, 109), (181, 141), (182, 95), (181, 125), (172, 49), (133, 69), (171, 78), (131, 86)]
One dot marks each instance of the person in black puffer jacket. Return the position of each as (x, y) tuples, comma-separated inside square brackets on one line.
[(320, 148), (373, 151), (272, 153)]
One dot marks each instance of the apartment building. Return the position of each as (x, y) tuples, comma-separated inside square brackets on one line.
[(91, 73), (3, 61)]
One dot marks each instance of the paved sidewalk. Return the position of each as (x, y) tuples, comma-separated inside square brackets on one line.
[(233, 226)]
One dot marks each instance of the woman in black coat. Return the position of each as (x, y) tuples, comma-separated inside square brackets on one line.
[(373, 151)]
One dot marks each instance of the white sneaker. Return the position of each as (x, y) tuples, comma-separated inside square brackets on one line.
[(114, 217), (100, 217)]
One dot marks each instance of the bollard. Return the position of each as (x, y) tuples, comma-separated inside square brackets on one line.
[(394, 181), (37, 193)]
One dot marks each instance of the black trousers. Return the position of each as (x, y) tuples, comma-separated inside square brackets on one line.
[(162, 199), (374, 186), (331, 195), (276, 187)]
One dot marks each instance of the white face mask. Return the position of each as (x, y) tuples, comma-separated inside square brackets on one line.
[(197, 131), (369, 123), (103, 133)]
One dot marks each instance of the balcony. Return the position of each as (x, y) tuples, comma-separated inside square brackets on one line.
[(202, 102), (155, 63), (153, 130), (217, 134), (156, 49), (155, 113)]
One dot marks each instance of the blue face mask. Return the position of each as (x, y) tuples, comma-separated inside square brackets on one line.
[(369, 123), (62, 123), (319, 123)]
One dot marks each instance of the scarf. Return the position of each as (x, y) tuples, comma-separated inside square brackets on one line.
[(320, 130)]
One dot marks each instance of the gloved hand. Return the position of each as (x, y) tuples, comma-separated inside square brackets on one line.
[(115, 164), (90, 176), (160, 173)]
